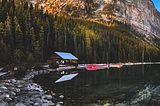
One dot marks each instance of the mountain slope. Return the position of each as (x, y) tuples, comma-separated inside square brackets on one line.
[(141, 14)]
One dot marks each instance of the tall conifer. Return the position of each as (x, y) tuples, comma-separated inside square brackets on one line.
[(18, 38), (8, 33)]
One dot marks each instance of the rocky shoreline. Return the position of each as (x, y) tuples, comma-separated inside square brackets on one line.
[(24, 92)]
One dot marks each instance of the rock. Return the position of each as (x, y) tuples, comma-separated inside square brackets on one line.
[(4, 104), (27, 104), (51, 104), (21, 81), (61, 96), (36, 104), (11, 88), (30, 102), (3, 88), (24, 88), (19, 86), (48, 104), (37, 96), (35, 72), (60, 102), (12, 93), (33, 99), (53, 94), (25, 79), (11, 104), (30, 93), (34, 87), (39, 102), (13, 81), (9, 84), (45, 101), (20, 104), (58, 105), (2, 84), (22, 92), (40, 71), (7, 81), (7, 96), (18, 100), (8, 99), (44, 104), (48, 97), (2, 91), (17, 90)]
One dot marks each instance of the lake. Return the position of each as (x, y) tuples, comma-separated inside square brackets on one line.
[(100, 87)]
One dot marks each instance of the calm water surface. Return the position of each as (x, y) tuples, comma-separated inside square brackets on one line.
[(94, 87)]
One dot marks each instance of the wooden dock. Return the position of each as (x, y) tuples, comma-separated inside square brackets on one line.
[(63, 68)]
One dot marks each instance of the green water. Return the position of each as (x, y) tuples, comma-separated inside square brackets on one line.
[(99, 87)]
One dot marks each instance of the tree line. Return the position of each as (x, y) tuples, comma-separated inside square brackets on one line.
[(27, 33)]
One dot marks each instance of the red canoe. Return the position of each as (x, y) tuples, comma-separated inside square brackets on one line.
[(96, 65)]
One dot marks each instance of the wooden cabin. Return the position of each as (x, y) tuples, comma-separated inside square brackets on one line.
[(62, 58)]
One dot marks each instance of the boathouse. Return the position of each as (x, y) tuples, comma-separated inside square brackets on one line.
[(62, 58)]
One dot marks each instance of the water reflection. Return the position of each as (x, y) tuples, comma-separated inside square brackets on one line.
[(102, 85)]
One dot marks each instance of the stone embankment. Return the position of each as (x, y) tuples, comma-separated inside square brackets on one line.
[(24, 92)]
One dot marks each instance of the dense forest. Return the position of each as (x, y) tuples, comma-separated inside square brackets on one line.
[(27, 33)]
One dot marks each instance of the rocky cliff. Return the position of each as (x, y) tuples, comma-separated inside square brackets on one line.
[(142, 14)]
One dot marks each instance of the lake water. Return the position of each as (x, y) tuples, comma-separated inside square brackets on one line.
[(108, 86)]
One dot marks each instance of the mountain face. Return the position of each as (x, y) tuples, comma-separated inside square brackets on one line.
[(141, 14)]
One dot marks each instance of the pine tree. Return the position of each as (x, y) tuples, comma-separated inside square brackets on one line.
[(37, 52), (32, 38), (56, 31), (1, 15), (15, 24), (30, 60), (18, 38), (1, 31), (41, 41), (11, 13), (3, 53), (27, 52), (46, 36), (8, 33), (25, 6), (9, 54), (75, 43), (4, 2), (88, 47), (18, 55), (27, 26)]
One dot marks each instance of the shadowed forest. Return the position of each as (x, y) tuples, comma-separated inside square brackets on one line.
[(27, 34)]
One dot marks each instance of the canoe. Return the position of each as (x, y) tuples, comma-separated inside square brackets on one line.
[(95, 65), (96, 68), (116, 65)]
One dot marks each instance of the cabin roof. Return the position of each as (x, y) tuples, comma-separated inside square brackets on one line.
[(64, 55)]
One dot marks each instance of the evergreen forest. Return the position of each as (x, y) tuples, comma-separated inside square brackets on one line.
[(27, 33)]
